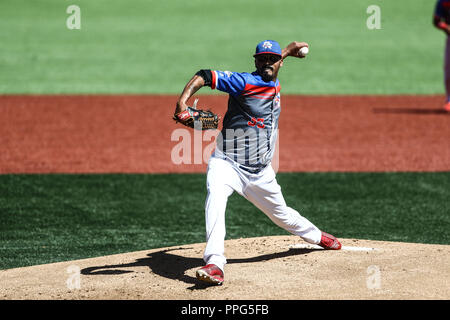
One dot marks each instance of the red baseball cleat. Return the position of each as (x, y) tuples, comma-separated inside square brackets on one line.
[(447, 107), (329, 242), (211, 274)]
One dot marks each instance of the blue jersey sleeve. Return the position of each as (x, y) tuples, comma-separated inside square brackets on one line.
[(229, 82)]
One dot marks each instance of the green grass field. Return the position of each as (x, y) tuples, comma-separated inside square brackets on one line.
[(149, 46), (47, 218)]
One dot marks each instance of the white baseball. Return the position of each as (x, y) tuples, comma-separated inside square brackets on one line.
[(303, 51)]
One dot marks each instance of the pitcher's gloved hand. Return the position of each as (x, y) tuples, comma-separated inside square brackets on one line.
[(197, 118)]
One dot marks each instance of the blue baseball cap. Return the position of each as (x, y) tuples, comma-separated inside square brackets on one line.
[(268, 47)]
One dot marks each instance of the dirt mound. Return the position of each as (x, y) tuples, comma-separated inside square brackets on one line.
[(270, 268)]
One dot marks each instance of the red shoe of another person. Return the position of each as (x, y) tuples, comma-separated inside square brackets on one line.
[(447, 107)]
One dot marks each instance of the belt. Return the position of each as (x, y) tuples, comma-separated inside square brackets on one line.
[(246, 169), (253, 171)]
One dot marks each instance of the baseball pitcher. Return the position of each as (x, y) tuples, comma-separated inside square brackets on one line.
[(241, 161)]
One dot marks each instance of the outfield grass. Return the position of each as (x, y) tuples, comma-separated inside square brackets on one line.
[(145, 46), (49, 218)]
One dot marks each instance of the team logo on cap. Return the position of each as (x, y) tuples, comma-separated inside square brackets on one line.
[(267, 44)]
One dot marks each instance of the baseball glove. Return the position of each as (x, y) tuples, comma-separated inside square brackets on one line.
[(197, 118)]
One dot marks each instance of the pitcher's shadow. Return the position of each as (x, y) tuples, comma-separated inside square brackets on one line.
[(172, 266), (413, 111)]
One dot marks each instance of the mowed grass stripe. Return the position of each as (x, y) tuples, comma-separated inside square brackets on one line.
[(59, 217), (144, 46)]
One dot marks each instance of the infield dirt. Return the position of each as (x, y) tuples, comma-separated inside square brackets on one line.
[(133, 134), (258, 268)]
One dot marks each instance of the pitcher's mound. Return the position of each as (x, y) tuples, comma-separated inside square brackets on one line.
[(278, 267)]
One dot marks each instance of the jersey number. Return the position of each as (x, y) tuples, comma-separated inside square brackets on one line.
[(259, 122)]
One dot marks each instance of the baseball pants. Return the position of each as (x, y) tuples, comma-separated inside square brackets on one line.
[(447, 68), (223, 178)]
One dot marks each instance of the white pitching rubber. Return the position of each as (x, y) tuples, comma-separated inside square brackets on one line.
[(317, 247)]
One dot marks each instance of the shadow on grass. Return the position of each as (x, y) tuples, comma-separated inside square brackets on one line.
[(172, 266)]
